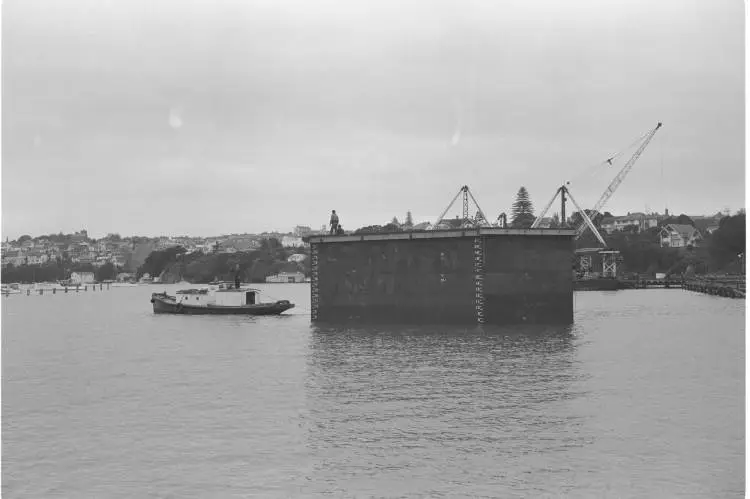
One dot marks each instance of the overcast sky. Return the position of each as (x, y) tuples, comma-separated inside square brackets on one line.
[(220, 116)]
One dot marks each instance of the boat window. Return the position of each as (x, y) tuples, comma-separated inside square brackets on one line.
[(250, 298)]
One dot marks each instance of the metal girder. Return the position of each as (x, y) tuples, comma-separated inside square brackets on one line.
[(587, 220), (609, 265)]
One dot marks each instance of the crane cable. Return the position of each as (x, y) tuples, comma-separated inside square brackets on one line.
[(594, 169)]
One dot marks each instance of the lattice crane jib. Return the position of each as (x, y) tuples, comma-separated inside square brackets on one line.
[(612, 187)]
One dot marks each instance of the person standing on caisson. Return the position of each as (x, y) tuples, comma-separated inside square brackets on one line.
[(334, 222)]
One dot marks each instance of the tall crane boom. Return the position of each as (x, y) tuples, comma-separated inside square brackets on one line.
[(618, 180)]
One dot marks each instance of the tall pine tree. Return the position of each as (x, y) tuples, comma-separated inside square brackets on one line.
[(409, 222), (523, 210)]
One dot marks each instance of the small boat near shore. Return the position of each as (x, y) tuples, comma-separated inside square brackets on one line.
[(10, 289), (221, 301)]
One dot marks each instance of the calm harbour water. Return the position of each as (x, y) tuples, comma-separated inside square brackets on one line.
[(642, 397)]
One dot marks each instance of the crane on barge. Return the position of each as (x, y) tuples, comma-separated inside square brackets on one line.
[(609, 256)]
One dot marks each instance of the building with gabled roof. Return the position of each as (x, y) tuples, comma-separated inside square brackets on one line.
[(679, 236), (639, 221)]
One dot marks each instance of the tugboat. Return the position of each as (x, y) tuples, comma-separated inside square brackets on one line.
[(224, 300)]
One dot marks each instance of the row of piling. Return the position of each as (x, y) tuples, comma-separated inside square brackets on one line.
[(726, 289), (64, 289)]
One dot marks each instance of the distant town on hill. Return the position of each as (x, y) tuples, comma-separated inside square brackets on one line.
[(648, 242)]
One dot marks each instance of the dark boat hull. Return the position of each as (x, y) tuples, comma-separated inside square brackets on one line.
[(165, 305)]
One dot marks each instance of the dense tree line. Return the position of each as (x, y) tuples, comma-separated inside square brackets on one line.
[(727, 244), (642, 251), (55, 271), (175, 264)]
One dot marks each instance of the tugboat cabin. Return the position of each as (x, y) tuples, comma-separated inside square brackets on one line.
[(226, 297)]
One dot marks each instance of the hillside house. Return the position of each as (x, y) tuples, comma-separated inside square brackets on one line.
[(292, 242), (36, 258), (545, 223), (14, 257), (80, 237), (679, 236), (286, 277), (422, 226), (82, 277), (638, 221)]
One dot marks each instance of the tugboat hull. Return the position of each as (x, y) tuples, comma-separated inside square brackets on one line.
[(165, 304)]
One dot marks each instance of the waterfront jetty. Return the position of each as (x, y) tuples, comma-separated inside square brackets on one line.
[(462, 276), (729, 286), (51, 288)]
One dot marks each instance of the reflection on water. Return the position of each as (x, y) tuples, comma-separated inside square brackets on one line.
[(382, 400)]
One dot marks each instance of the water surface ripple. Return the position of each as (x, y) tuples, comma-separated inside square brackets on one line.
[(642, 397)]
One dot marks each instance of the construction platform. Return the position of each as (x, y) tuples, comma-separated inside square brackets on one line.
[(462, 276)]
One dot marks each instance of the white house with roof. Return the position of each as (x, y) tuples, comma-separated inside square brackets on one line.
[(292, 242), (82, 277), (36, 258), (286, 277), (422, 226), (639, 221), (679, 236)]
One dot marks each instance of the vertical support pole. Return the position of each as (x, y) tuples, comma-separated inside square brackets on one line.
[(465, 213), (563, 218), (479, 278), (314, 281)]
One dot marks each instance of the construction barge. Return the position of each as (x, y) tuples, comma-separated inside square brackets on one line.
[(482, 275), (476, 273)]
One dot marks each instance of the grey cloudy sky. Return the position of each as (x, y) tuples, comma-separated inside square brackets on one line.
[(218, 116)]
